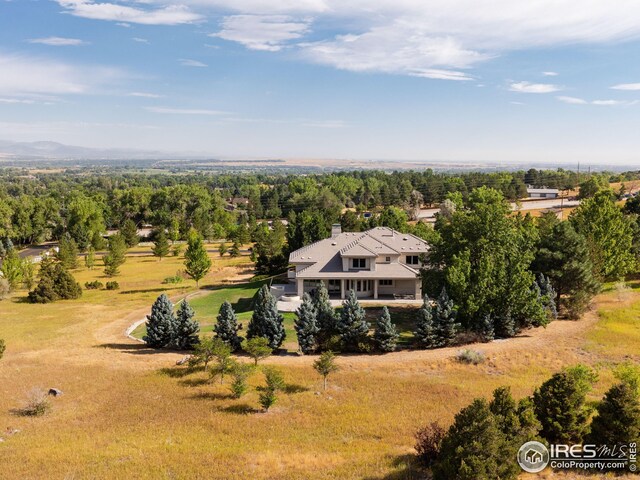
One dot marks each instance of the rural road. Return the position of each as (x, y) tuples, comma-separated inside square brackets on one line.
[(429, 213)]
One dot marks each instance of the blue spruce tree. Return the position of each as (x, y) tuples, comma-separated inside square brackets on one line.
[(425, 329), (306, 325), (227, 327), (352, 324), (547, 295), (186, 329), (445, 320), (385, 336), (325, 314), (266, 321), (160, 323)]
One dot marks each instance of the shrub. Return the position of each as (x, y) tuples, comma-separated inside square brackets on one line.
[(56, 283), (4, 288), (37, 404), (470, 357), (95, 285), (173, 280), (428, 441), (113, 285)]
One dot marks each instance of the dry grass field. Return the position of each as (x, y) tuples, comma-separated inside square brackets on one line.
[(128, 413)]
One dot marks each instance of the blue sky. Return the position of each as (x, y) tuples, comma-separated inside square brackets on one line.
[(459, 80)]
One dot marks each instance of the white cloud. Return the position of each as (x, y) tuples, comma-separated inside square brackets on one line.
[(17, 100), (169, 15), (627, 86), (24, 75), (58, 41), (527, 87), (325, 124), (184, 111), (607, 103), (140, 40), (261, 32), (187, 62), (572, 100), (550, 74), (144, 95)]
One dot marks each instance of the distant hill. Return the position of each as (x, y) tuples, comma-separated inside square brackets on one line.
[(59, 151)]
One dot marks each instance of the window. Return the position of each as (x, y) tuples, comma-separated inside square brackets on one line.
[(388, 260), (385, 283), (359, 263), (413, 260)]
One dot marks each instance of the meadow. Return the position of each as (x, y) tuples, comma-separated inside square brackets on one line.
[(129, 412)]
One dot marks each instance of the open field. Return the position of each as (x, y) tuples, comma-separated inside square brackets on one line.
[(127, 412)]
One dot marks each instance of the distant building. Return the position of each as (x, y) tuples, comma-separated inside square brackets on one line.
[(378, 262), (543, 192)]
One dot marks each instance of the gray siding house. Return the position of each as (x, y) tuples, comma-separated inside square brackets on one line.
[(380, 262)]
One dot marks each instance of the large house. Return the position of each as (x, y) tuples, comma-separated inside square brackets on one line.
[(380, 262)]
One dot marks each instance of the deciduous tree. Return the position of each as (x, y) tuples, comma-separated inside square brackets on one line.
[(196, 260)]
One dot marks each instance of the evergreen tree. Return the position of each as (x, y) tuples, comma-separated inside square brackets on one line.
[(560, 405), (326, 365), (90, 258), (352, 324), (474, 448), (257, 348), (425, 331), (227, 327), (325, 314), (504, 325), (266, 321), (274, 383), (160, 247), (563, 257), (160, 323), (185, 334), (55, 283), (487, 328), (115, 256), (240, 373), (516, 421), (445, 320), (385, 335), (306, 325), (234, 251), (618, 417), (68, 252), (130, 233), (547, 295), (196, 260), (222, 249)]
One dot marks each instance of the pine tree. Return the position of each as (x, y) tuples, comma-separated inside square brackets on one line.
[(352, 324), (257, 348), (306, 325), (186, 329), (196, 260), (385, 335), (130, 233), (234, 251), (115, 256), (486, 328), (560, 405), (618, 417), (55, 283), (445, 320), (160, 323), (474, 448), (425, 330), (326, 365), (222, 249), (504, 326), (325, 314), (160, 247), (227, 327), (68, 252), (266, 321), (547, 295), (90, 258)]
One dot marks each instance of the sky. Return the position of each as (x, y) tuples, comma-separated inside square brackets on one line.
[(447, 80)]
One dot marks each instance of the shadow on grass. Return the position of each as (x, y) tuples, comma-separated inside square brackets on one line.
[(408, 469), (239, 409), (179, 372), (132, 348), (151, 290), (194, 382), (293, 388), (211, 396)]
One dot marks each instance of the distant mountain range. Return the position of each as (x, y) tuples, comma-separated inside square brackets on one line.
[(59, 151)]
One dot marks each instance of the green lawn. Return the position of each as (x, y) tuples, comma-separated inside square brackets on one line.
[(241, 298)]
